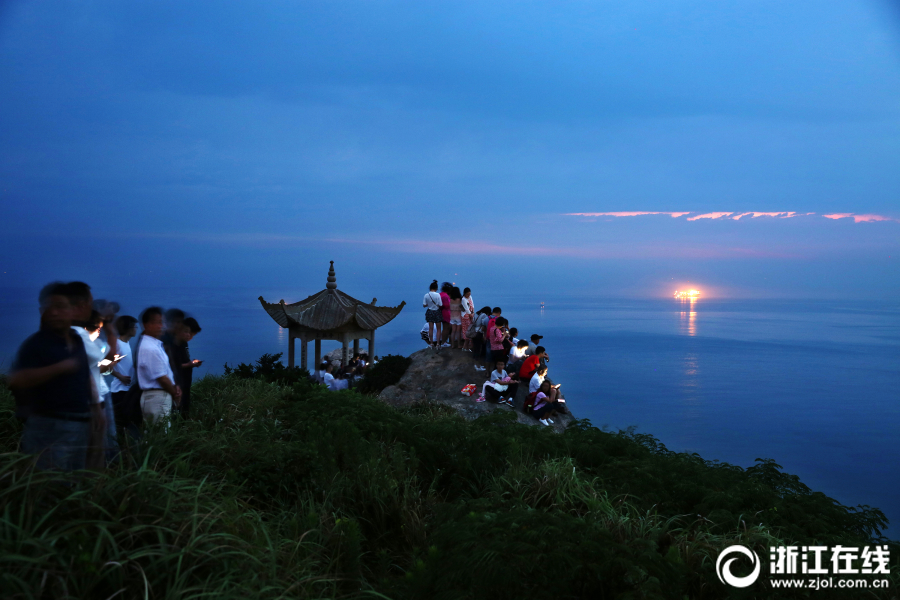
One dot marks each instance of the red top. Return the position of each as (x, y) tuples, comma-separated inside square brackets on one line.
[(489, 328), (530, 365)]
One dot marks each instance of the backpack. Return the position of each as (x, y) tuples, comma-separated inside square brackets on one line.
[(472, 331), (528, 406)]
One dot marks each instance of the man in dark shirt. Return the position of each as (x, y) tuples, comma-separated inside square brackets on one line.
[(182, 358), (51, 371)]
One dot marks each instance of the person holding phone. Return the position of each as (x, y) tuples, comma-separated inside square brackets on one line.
[(189, 328)]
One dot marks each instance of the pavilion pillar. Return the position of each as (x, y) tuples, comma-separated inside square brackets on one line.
[(303, 353), (355, 346), (318, 353), (344, 358), (290, 349), (372, 346)]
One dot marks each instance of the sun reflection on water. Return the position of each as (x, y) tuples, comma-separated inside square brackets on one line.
[(688, 316)]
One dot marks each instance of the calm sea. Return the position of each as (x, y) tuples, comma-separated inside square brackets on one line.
[(814, 385)]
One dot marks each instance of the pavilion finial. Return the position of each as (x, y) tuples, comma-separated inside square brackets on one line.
[(332, 280)]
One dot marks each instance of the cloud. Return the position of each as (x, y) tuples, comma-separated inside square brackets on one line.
[(737, 216), (712, 215), (860, 218), (780, 215), (674, 215)]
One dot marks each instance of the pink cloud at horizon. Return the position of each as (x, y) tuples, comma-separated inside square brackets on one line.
[(779, 215), (859, 218), (712, 215), (674, 215)]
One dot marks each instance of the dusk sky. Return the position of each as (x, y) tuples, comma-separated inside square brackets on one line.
[(222, 143)]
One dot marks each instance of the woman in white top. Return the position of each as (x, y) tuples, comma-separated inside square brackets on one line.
[(535, 384), (432, 303)]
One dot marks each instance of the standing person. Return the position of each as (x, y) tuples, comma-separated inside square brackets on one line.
[(154, 370), (189, 328), (489, 328), (446, 287), (497, 336), (479, 342), (108, 447), (52, 375), (433, 304), (82, 301), (174, 319), (468, 311), (455, 317), (123, 371)]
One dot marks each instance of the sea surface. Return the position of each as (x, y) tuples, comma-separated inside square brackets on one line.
[(813, 384)]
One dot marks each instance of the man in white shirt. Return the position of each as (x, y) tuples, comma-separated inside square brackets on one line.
[(154, 371), (123, 371), (328, 378)]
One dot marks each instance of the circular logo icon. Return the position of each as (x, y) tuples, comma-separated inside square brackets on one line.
[(724, 570)]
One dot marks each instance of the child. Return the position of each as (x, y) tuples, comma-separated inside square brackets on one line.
[(501, 388)]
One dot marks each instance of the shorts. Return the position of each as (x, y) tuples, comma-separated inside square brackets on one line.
[(455, 321), (433, 316)]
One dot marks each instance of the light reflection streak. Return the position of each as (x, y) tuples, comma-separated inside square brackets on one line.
[(688, 316)]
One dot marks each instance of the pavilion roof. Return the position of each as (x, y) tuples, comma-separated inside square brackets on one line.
[(331, 310)]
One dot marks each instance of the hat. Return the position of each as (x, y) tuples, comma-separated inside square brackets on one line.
[(534, 335)]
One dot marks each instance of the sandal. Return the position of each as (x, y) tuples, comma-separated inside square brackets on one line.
[(480, 399)]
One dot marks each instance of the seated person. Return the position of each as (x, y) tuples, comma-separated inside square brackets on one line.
[(544, 408), (341, 382), (540, 377), (530, 364), (534, 343), (501, 388), (327, 377), (517, 356), (319, 375)]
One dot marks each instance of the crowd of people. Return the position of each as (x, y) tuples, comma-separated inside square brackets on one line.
[(451, 321), (342, 378), (87, 375)]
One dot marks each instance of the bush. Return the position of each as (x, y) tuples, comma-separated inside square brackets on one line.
[(269, 368), (294, 491), (388, 371)]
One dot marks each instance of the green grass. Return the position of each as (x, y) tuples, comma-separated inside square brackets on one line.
[(280, 489)]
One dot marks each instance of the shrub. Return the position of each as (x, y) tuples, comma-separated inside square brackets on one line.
[(269, 368), (388, 371)]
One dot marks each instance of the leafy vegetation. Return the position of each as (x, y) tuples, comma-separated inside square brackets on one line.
[(291, 491), (387, 371), (268, 368)]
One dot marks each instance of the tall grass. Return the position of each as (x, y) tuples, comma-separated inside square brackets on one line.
[(278, 488)]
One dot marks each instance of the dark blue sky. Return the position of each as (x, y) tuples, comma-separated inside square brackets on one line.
[(211, 143)]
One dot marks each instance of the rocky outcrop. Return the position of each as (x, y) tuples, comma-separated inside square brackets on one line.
[(440, 377)]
